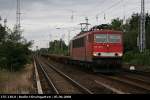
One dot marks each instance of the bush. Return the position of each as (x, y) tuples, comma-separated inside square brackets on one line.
[(133, 57), (14, 56)]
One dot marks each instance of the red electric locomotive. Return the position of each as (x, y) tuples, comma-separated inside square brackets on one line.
[(99, 49)]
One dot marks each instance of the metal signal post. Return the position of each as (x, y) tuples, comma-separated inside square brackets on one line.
[(18, 26), (142, 38)]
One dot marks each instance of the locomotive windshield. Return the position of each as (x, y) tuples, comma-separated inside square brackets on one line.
[(114, 38), (101, 38), (107, 38)]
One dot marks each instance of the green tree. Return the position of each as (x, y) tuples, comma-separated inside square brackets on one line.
[(116, 24), (130, 36), (58, 47), (3, 34), (147, 24), (131, 33), (14, 50)]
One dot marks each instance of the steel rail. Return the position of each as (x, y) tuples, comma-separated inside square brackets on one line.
[(125, 81), (117, 91), (143, 85), (70, 79), (48, 79)]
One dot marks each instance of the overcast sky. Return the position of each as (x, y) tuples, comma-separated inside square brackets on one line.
[(40, 18)]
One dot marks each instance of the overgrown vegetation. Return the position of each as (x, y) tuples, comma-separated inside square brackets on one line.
[(137, 58), (14, 49), (19, 82), (55, 47), (58, 47)]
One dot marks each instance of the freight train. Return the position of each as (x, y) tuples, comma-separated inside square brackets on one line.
[(98, 49)]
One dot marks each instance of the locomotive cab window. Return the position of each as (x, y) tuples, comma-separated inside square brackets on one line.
[(107, 38), (114, 38), (101, 38)]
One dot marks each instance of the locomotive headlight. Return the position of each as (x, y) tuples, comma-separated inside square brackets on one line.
[(94, 54), (120, 54)]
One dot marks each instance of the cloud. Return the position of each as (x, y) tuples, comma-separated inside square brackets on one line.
[(40, 18)]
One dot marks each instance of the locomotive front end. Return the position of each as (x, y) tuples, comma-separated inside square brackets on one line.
[(108, 50)]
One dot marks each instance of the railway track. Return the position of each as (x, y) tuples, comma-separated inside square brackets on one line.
[(138, 85), (109, 87), (61, 83), (145, 74), (124, 83), (139, 77), (45, 82)]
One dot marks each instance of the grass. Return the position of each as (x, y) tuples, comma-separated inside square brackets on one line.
[(141, 61), (16, 82), (137, 58)]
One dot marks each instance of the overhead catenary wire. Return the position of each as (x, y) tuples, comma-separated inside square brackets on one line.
[(104, 11), (116, 4), (114, 15), (110, 7)]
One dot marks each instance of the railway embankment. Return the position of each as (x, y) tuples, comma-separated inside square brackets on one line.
[(20, 82), (138, 61)]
